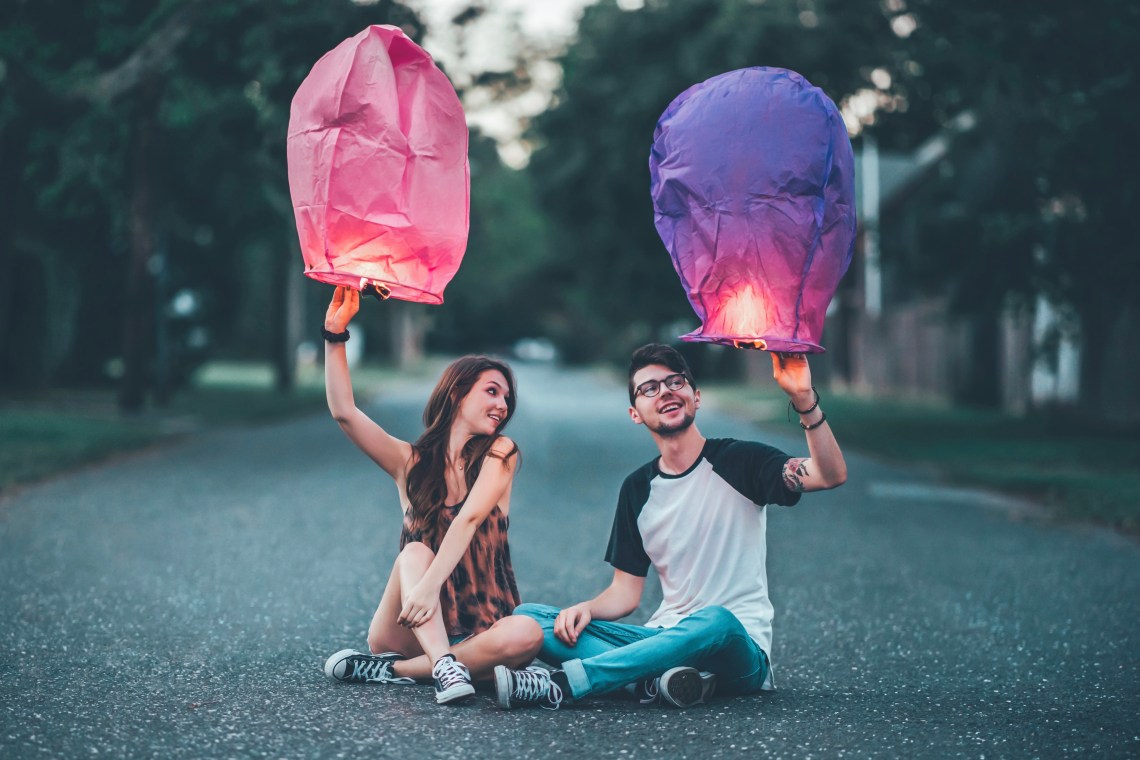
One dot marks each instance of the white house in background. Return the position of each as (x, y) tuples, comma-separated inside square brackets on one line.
[(917, 346), (1055, 379)]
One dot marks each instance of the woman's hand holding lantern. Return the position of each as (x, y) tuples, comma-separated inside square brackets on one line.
[(345, 303)]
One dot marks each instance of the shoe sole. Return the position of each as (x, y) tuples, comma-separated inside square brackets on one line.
[(503, 686), (459, 691), (334, 660), (685, 687)]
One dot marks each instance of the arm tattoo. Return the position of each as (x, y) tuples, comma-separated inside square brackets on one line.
[(795, 470)]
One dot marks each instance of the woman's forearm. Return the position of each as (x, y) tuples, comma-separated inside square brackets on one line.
[(338, 382), (451, 550), (489, 488)]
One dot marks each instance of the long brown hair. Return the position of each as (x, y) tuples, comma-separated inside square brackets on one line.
[(427, 484)]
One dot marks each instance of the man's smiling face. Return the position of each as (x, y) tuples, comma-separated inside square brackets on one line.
[(666, 412)]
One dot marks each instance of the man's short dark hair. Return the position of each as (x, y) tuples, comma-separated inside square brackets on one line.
[(658, 353)]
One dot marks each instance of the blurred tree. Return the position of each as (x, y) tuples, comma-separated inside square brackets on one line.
[(497, 293), (143, 148), (1038, 198), (498, 290), (612, 284)]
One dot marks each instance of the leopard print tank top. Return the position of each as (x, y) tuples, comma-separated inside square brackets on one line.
[(482, 586)]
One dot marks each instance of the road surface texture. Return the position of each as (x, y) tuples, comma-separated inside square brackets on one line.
[(180, 604)]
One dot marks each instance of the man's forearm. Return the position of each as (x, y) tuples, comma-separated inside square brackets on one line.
[(612, 604), (826, 456)]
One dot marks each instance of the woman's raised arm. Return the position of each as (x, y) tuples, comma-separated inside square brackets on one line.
[(386, 450)]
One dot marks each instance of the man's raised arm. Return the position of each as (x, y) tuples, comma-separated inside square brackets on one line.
[(824, 468)]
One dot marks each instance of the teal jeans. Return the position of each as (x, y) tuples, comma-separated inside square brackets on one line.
[(611, 655)]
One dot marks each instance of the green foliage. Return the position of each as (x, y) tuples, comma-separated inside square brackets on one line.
[(47, 433), (1038, 198), (216, 84), (499, 286), (35, 444)]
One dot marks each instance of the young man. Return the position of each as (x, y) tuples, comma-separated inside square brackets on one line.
[(696, 514)]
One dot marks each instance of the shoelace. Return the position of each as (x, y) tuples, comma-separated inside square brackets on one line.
[(649, 691), (450, 672), (376, 671), (534, 685)]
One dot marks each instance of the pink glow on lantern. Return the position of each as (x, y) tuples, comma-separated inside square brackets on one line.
[(378, 168)]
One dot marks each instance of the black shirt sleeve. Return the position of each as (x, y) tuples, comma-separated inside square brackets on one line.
[(755, 470), (626, 551)]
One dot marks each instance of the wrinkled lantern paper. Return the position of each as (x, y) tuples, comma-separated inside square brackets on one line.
[(378, 169), (753, 186)]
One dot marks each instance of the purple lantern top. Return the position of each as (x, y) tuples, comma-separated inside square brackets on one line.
[(753, 185)]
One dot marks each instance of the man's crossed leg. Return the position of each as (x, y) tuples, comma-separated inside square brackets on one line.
[(706, 649)]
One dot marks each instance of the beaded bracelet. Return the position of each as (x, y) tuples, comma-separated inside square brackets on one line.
[(809, 410), (814, 425)]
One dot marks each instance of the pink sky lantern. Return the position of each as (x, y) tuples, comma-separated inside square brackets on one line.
[(378, 169), (753, 186)]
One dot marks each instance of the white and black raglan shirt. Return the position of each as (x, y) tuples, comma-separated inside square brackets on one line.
[(704, 532)]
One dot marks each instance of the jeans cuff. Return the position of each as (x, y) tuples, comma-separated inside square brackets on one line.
[(576, 677)]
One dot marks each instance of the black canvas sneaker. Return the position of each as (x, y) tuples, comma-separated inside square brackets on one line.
[(351, 666), (685, 687), (452, 680), (520, 688)]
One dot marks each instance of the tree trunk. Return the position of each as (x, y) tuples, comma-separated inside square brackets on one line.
[(982, 380), (287, 303), (138, 323), (1095, 325), (9, 186)]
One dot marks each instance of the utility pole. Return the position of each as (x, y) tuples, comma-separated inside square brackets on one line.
[(872, 274)]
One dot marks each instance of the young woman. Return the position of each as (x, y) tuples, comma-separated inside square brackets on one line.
[(445, 613)]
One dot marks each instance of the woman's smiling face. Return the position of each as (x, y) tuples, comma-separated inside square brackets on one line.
[(484, 408)]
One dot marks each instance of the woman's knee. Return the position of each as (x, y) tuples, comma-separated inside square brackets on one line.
[(376, 644), (518, 638), (415, 553), (379, 641)]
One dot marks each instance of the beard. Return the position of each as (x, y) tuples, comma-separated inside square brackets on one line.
[(669, 430)]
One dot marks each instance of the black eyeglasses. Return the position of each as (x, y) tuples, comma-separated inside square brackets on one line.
[(651, 388)]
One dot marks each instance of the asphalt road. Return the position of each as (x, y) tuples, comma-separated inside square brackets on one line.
[(180, 604)]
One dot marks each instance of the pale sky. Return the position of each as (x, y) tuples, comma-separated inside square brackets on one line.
[(546, 25), (540, 20)]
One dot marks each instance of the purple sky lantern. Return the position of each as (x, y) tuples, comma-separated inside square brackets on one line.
[(753, 186)]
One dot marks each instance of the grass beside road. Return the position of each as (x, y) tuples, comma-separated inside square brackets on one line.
[(35, 443), (45, 433), (1077, 472)]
